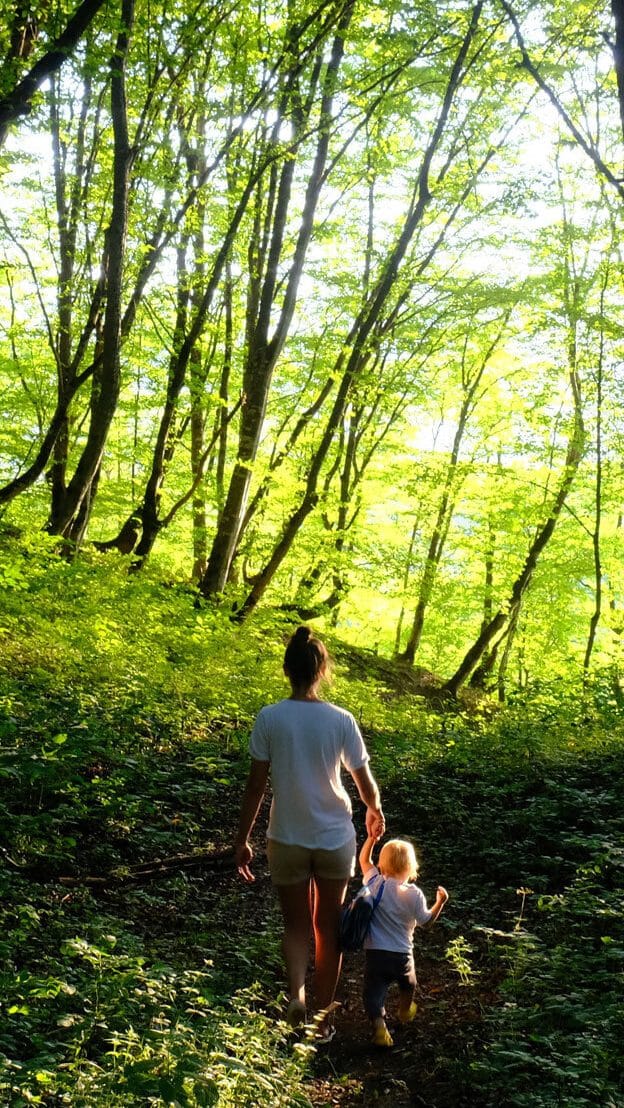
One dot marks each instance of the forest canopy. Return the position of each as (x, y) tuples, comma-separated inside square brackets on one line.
[(318, 305)]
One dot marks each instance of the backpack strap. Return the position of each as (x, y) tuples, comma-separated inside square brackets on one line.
[(379, 893)]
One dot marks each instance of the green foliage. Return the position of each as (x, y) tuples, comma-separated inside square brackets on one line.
[(124, 719), (121, 1032), (458, 952), (557, 1037), (512, 255)]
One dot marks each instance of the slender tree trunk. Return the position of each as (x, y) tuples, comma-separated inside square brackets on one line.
[(470, 384), (432, 562), (488, 583), (595, 618), (67, 214), (149, 511), (198, 423), (434, 555), (585, 141), (18, 102), (196, 160), (485, 667), (617, 7), (177, 375), (406, 576), (618, 632), (510, 634), (224, 394), (107, 382), (303, 422), (544, 533)]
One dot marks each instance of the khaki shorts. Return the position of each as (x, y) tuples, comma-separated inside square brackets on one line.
[(290, 864)]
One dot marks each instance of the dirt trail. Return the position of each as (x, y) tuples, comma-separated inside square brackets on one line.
[(430, 1055), (424, 1065)]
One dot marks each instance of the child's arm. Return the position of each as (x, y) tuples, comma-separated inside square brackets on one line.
[(366, 855), (438, 904)]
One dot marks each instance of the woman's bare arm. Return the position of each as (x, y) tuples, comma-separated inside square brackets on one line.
[(369, 795), (250, 804)]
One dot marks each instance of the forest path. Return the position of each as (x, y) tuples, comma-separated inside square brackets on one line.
[(428, 1061), (423, 1066)]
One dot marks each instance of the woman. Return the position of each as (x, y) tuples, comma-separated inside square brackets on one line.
[(303, 741)]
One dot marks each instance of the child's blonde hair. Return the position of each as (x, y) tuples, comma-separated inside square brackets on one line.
[(398, 857)]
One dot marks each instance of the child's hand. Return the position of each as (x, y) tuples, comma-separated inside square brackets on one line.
[(442, 894)]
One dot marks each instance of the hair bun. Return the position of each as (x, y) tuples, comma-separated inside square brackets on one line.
[(303, 634)]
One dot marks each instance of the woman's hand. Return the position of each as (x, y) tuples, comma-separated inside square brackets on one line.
[(375, 823), (252, 798), (369, 794), (242, 857)]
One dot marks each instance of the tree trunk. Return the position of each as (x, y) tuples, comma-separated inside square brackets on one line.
[(512, 627), (198, 422), (149, 511), (484, 669), (470, 384), (617, 7), (106, 382), (356, 352), (618, 632), (434, 554), (67, 214), (263, 351), (177, 373), (544, 533), (597, 612), (406, 577), (18, 102), (585, 141)]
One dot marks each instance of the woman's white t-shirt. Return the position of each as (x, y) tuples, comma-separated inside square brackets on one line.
[(401, 907), (307, 742)]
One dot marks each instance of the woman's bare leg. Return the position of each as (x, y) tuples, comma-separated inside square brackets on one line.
[(328, 899), (295, 904)]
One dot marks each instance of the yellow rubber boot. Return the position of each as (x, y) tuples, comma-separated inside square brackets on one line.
[(406, 1015), (381, 1035)]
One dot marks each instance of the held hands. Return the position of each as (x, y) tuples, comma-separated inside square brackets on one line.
[(375, 823), (441, 894), (242, 857)]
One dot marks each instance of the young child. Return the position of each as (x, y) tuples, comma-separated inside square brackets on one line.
[(388, 945)]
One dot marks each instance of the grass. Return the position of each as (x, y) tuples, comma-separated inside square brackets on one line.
[(124, 715)]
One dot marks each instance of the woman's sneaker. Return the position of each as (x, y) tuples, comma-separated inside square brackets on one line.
[(295, 1013)]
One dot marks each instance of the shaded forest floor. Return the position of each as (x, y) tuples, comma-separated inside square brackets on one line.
[(188, 918), (423, 1066), (487, 836), (500, 843), (167, 988)]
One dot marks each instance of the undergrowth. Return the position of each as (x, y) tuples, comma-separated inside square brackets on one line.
[(124, 716)]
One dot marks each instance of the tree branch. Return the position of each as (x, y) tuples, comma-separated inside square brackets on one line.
[(19, 101)]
